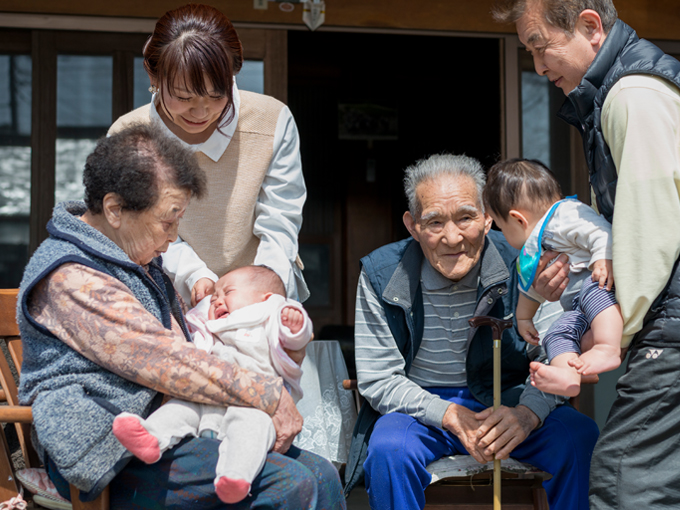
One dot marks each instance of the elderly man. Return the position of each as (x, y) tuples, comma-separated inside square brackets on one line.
[(427, 376), (623, 95)]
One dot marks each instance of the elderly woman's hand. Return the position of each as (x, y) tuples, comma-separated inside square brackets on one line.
[(287, 422)]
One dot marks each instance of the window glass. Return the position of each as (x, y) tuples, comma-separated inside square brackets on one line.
[(141, 84), (251, 76), (535, 117), (15, 166), (544, 136), (84, 88)]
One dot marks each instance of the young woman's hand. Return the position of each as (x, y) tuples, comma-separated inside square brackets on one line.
[(202, 288)]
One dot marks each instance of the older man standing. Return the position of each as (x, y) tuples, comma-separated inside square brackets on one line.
[(426, 375), (623, 95)]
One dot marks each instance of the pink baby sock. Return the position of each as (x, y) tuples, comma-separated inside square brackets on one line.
[(231, 490), (133, 436)]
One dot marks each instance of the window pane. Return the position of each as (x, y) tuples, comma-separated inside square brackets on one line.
[(141, 95), (251, 76), (84, 88), (536, 117), (15, 166)]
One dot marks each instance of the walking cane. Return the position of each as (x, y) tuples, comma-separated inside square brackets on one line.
[(497, 326)]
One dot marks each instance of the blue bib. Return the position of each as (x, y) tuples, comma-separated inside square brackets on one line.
[(531, 252)]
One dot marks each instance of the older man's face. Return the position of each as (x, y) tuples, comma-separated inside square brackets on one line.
[(451, 226), (563, 58)]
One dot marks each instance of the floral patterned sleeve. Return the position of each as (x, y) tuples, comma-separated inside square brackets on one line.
[(97, 316)]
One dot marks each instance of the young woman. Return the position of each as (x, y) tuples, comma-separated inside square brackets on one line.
[(246, 143)]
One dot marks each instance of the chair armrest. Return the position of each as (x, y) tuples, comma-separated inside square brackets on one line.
[(16, 414), (349, 384)]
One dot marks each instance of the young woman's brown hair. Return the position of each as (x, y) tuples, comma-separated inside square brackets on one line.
[(191, 43)]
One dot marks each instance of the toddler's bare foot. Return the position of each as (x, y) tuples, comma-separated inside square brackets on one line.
[(599, 359), (556, 380), (576, 363)]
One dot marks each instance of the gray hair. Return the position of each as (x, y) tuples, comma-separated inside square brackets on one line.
[(437, 165), (559, 13)]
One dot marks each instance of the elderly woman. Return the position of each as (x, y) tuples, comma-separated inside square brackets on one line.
[(103, 333)]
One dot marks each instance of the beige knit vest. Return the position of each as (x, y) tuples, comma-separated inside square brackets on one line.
[(220, 227)]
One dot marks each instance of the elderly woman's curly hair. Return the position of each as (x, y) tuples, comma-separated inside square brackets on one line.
[(135, 163)]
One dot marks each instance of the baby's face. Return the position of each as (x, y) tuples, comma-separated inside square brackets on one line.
[(233, 291)]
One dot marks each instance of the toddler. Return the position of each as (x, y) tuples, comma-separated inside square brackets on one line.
[(524, 200), (247, 321)]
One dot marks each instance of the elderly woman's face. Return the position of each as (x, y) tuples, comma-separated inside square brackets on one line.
[(145, 235)]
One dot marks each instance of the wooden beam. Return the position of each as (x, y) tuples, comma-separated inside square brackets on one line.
[(511, 128), (276, 64), (123, 83), (43, 134), (655, 19)]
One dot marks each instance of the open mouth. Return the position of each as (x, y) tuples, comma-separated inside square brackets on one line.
[(221, 312)]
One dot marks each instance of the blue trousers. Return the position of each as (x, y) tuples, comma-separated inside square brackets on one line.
[(401, 447), (183, 480)]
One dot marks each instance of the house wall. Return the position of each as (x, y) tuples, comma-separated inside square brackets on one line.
[(653, 19)]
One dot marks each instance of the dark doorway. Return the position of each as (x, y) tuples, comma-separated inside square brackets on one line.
[(367, 106)]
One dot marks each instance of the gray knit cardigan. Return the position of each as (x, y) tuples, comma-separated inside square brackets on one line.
[(74, 400)]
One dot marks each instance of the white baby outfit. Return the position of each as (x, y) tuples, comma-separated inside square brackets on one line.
[(251, 337)]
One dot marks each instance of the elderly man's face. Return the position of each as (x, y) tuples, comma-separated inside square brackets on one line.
[(563, 58), (451, 226)]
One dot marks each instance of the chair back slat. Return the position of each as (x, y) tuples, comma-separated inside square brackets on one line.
[(8, 319), (9, 332), (8, 483), (16, 350), (7, 381)]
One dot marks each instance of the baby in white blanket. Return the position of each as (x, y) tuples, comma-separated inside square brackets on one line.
[(248, 322)]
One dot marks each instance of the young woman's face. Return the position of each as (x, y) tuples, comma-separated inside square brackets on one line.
[(190, 114)]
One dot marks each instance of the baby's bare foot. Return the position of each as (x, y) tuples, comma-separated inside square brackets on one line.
[(555, 380), (597, 360), (577, 363)]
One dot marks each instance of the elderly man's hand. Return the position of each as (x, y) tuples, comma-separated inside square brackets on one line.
[(287, 422), (551, 281), (462, 422), (502, 430)]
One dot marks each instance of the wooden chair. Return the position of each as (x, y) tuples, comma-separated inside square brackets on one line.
[(21, 416)]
